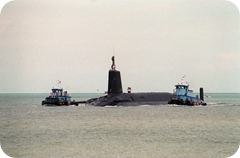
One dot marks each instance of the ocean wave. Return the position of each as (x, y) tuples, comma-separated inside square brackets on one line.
[(236, 104), (222, 104)]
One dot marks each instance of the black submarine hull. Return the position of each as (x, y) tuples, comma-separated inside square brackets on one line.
[(131, 99), (116, 97)]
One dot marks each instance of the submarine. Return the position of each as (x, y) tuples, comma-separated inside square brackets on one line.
[(116, 97)]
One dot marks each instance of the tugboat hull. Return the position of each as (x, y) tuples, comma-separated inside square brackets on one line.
[(54, 101)]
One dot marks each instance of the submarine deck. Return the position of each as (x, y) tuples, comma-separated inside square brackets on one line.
[(131, 99)]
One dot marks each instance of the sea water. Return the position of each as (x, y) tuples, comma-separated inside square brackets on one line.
[(28, 129)]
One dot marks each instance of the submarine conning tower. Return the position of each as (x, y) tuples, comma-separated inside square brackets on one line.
[(114, 80)]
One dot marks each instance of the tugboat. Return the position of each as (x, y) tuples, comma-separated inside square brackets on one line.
[(57, 97), (183, 95)]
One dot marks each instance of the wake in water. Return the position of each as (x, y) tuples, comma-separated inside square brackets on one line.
[(222, 104)]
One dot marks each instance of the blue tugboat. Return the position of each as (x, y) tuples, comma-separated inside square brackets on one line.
[(57, 97), (183, 95)]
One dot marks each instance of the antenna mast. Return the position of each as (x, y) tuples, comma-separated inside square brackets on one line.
[(113, 67), (113, 51)]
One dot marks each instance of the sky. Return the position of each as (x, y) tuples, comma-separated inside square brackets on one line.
[(155, 43)]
